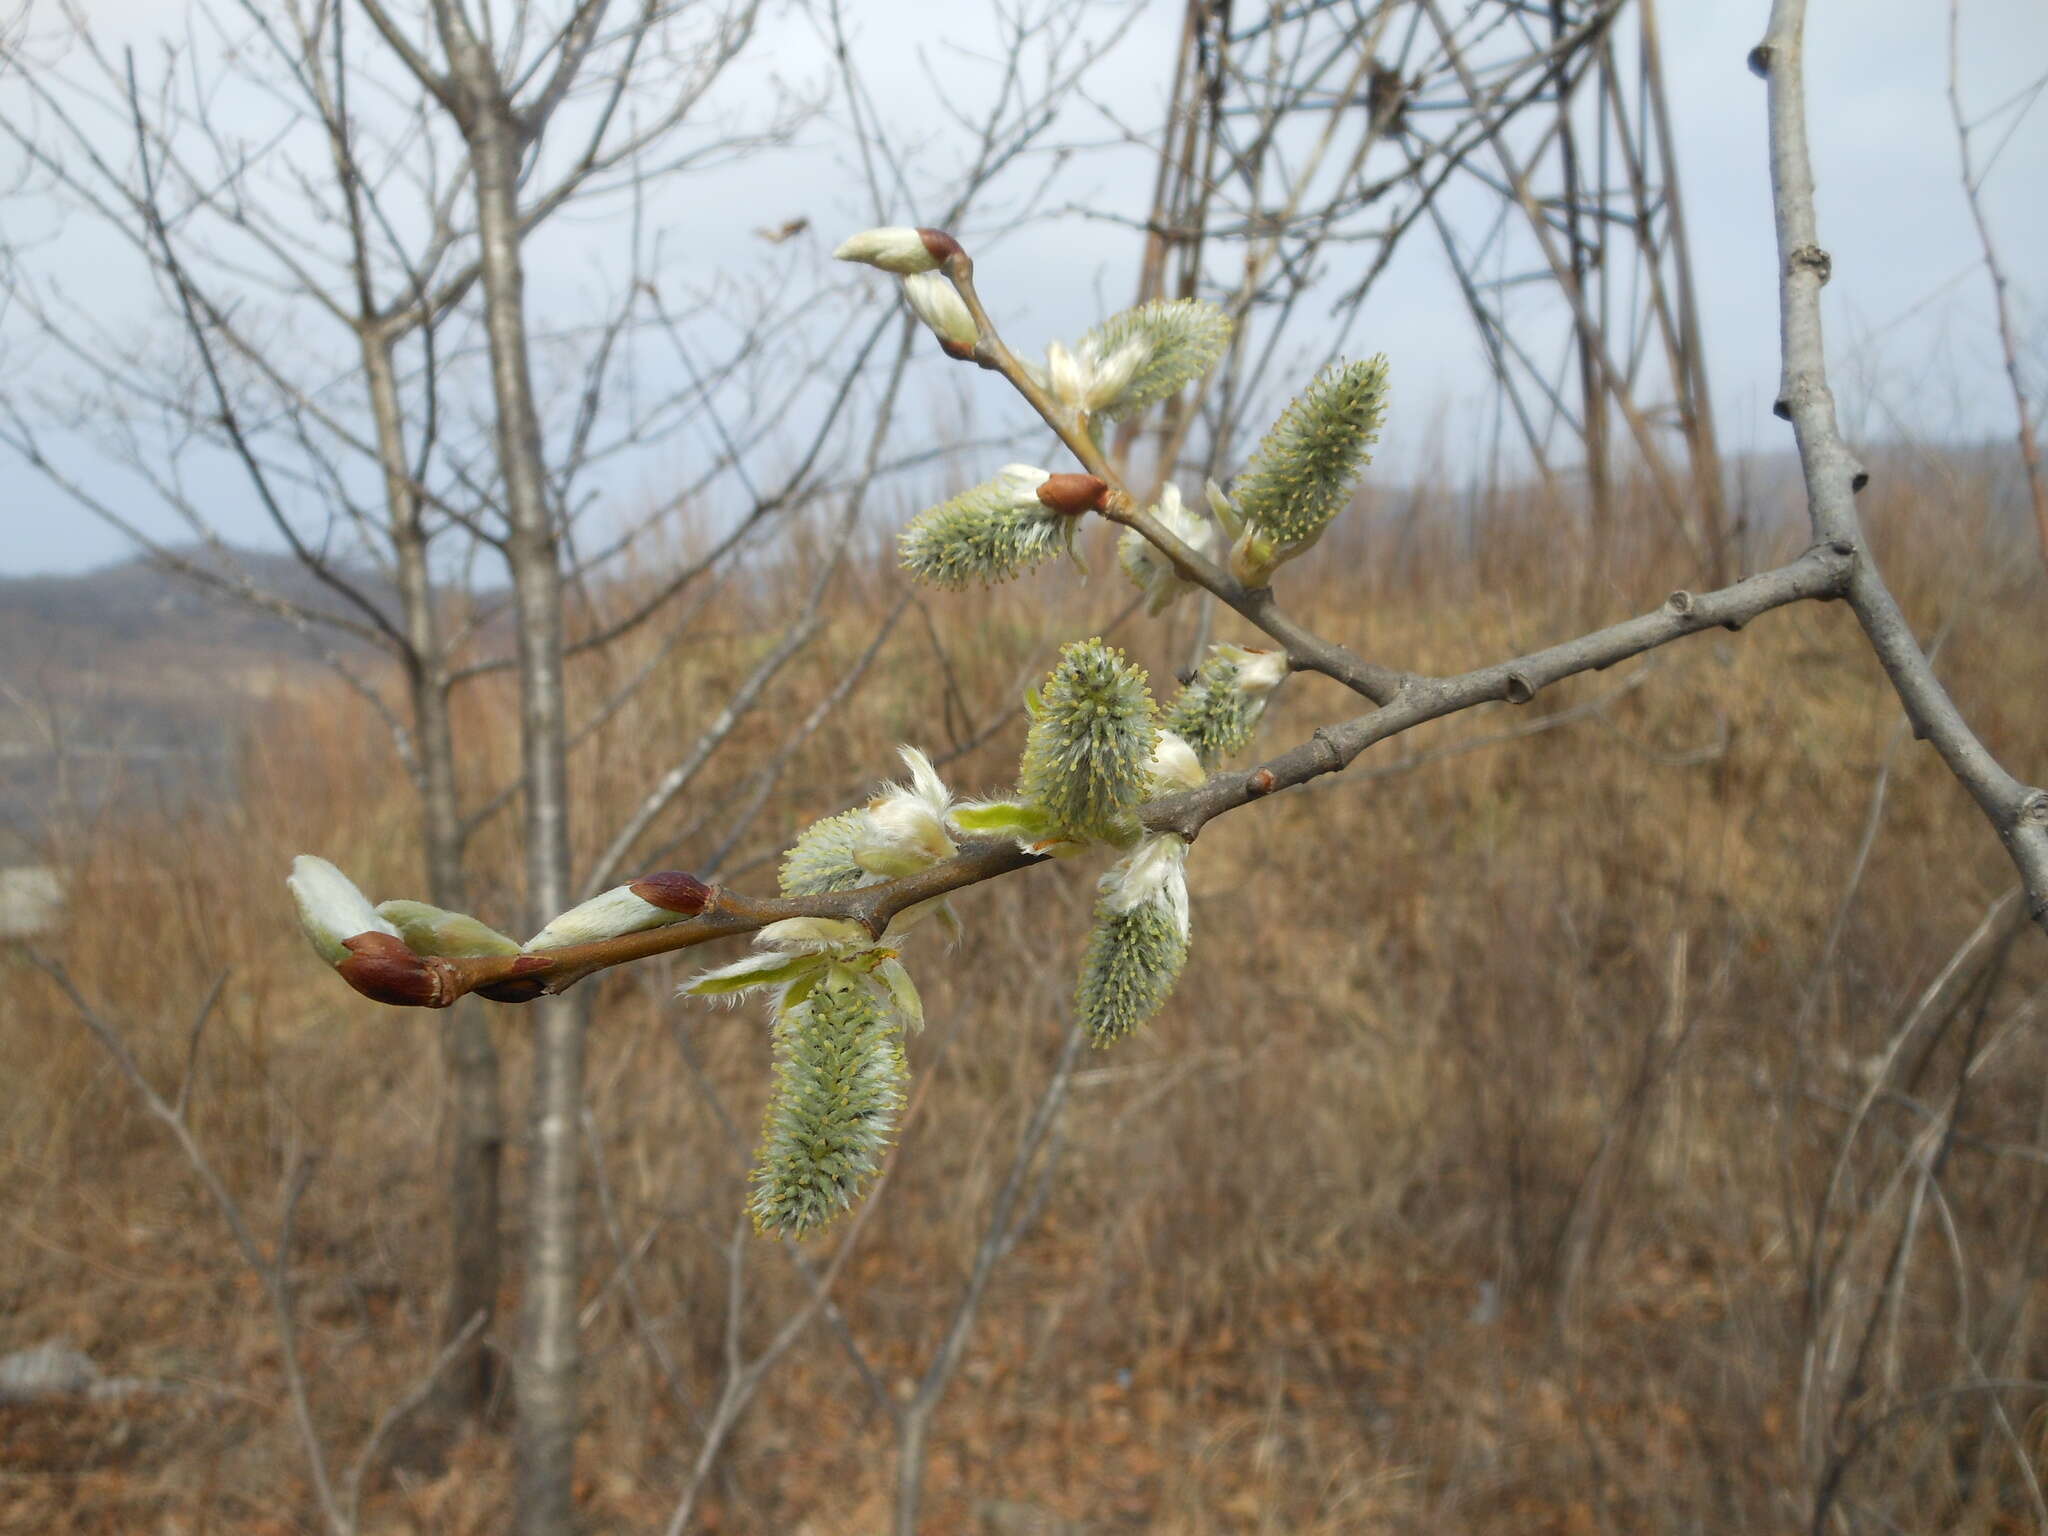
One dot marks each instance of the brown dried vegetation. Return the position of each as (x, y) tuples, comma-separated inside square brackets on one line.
[(1468, 1183)]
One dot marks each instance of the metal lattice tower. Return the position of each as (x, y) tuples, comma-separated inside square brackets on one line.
[(1529, 140)]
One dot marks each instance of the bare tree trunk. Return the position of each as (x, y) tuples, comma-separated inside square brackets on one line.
[(467, 1054), (547, 1371)]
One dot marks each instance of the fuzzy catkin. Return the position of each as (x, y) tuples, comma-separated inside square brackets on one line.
[(1087, 755), (1306, 466), (821, 860), (982, 535), (1213, 714), (839, 1087), (1132, 962), (1181, 340)]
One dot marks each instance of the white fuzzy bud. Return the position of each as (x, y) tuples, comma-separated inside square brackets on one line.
[(1088, 381), (814, 935), (1174, 765), (1150, 570), (618, 911), (1259, 672), (932, 296), (906, 824), (331, 909), (894, 249), (1153, 873)]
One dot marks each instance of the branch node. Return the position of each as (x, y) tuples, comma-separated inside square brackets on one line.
[(1261, 783), (1842, 546), (1760, 61), (1322, 739), (1732, 625), (1816, 261), (1518, 689), (1858, 480), (2034, 809), (1680, 603)]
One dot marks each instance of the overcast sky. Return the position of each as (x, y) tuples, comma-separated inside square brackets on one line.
[(1908, 309)]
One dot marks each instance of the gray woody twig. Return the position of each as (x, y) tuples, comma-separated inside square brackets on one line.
[(2017, 811)]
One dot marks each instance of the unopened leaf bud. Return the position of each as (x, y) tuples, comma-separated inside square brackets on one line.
[(379, 966), (331, 909), (673, 890), (613, 914), (814, 935), (1174, 765), (1260, 669), (429, 930), (1071, 495), (932, 296), (906, 830), (898, 249)]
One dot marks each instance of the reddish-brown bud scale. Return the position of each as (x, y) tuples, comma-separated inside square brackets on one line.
[(1071, 495), (672, 890), (956, 351), (381, 968), (517, 986), (515, 991), (1263, 782), (939, 243)]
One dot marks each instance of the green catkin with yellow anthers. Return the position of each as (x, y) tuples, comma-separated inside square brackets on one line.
[(1132, 962), (821, 860), (980, 535), (839, 1087), (1212, 714), (1093, 729), (1183, 338), (1306, 467)]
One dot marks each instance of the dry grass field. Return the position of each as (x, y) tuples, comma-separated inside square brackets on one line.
[(1469, 1183)]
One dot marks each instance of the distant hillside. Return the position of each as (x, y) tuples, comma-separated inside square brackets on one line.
[(135, 602), (131, 685)]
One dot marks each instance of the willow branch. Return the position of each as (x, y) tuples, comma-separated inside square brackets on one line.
[(1821, 572), (2018, 812), (1306, 651)]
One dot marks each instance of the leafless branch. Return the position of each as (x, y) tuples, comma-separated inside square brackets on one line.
[(1973, 193), (2018, 812)]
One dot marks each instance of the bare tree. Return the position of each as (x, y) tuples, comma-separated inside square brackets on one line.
[(1972, 177), (386, 210)]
